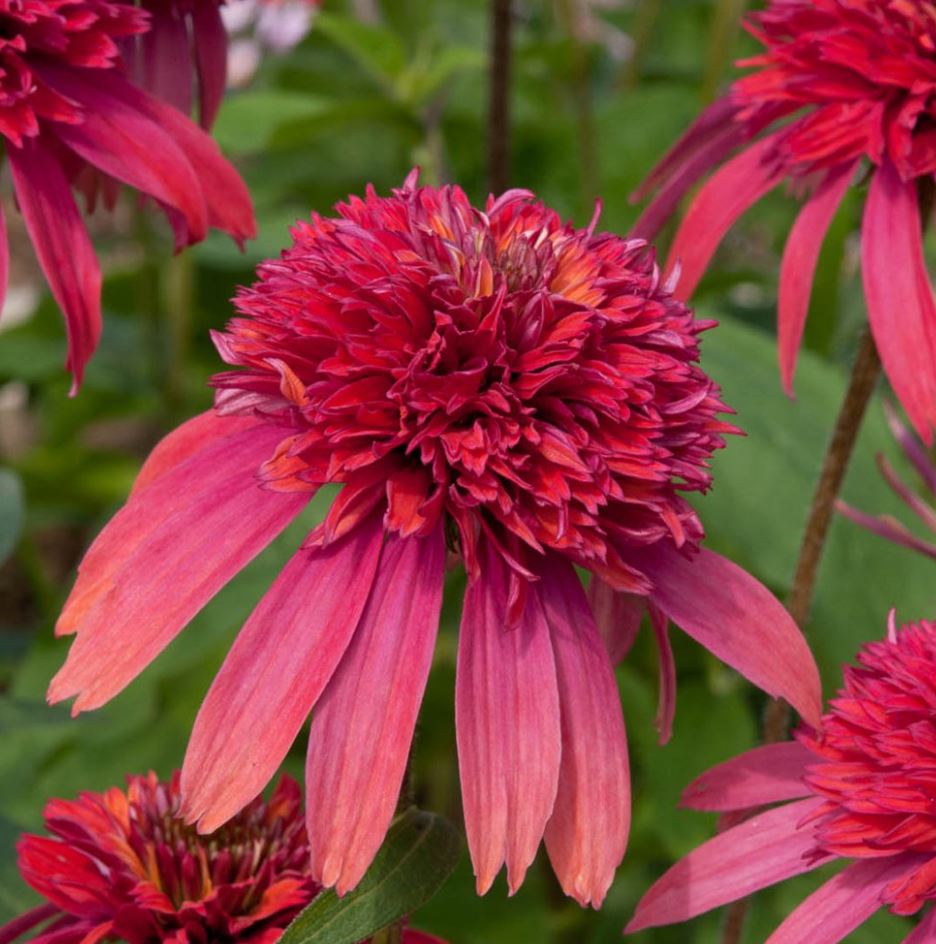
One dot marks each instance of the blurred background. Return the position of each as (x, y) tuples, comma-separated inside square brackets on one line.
[(324, 105)]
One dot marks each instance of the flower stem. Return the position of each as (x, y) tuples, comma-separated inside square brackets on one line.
[(501, 25), (864, 375)]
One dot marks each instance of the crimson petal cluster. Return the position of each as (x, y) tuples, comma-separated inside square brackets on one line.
[(494, 384), (862, 787), (71, 118), (840, 82)]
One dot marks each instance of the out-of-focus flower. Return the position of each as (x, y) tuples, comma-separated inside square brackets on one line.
[(498, 384), (124, 866), (862, 787), (592, 27), (259, 26), (923, 507), (70, 117), (840, 82)]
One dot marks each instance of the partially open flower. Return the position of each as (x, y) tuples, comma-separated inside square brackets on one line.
[(840, 84), (499, 384), (922, 505), (70, 117), (862, 786), (124, 866)]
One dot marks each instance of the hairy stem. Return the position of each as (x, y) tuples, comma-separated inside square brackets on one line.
[(498, 143), (864, 375)]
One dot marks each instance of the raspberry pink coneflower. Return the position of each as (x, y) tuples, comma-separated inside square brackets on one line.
[(496, 384), (124, 866), (840, 82), (69, 116), (862, 787)]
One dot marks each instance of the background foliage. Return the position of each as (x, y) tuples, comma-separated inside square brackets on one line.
[(362, 102)]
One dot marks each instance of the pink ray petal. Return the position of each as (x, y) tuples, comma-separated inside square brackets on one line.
[(222, 463), (913, 450), (4, 259), (165, 582), (737, 619), (165, 48), (507, 723), (762, 851), (26, 922), (925, 931), (63, 247), (211, 43), (363, 723), (766, 774), (274, 674), (617, 615), (726, 195), (798, 267), (666, 710), (887, 527), (843, 903), (587, 834), (901, 309)]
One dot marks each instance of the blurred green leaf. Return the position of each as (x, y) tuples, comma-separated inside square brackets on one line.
[(420, 852), (248, 121), (376, 49), (11, 512)]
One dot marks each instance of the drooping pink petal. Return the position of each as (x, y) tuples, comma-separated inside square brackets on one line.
[(163, 52), (913, 450), (130, 146), (227, 457), (901, 309), (735, 187), (924, 932), (507, 724), (63, 247), (165, 581), (761, 851), (737, 619), (26, 922), (798, 267), (587, 834), (681, 180), (666, 710), (617, 615), (843, 903), (766, 774), (4, 259), (363, 723), (274, 674), (211, 47), (887, 527)]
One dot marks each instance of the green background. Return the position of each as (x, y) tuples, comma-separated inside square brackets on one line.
[(358, 103)]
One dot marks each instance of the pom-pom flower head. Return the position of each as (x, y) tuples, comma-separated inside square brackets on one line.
[(69, 116), (840, 82), (497, 384), (862, 790), (124, 866)]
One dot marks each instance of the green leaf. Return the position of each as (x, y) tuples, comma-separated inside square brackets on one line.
[(420, 852), (375, 49), (248, 121), (11, 512)]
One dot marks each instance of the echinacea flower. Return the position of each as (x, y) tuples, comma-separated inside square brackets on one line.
[(498, 385), (840, 84), (70, 117), (124, 866), (925, 510), (862, 788)]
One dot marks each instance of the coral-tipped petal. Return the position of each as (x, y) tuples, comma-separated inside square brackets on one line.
[(587, 833), (363, 723), (507, 722), (274, 674)]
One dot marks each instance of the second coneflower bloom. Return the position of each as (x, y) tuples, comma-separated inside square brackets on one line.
[(840, 86), (498, 385), (858, 790)]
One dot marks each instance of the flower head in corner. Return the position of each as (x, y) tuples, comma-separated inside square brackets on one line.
[(840, 84), (71, 118), (494, 385), (858, 789), (124, 866)]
